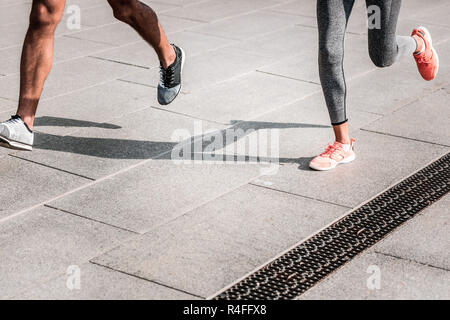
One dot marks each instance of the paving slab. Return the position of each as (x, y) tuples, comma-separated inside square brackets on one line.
[(6, 105), (69, 113), (207, 69), (100, 149), (43, 243), (373, 91), (427, 119), (156, 192), (102, 14), (438, 13), (400, 280), (100, 283), (213, 10), (444, 59), (15, 13), (424, 239), (281, 44), (12, 35), (299, 7), (65, 49), (243, 98), (297, 127), (70, 76), (222, 240), (142, 54), (380, 163), (118, 34), (357, 62), (37, 184), (249, 25)]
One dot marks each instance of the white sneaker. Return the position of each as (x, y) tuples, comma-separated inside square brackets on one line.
[(15, 134)]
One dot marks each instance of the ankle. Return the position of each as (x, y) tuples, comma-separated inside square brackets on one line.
[(28, 120), (168, 59), (344, 141), (420, 45)]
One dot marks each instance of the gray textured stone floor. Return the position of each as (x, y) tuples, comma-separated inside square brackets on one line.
[(100, 193)]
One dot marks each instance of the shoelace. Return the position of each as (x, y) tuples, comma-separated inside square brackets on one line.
[(14, 120), (331, 151), (167, 76), (424, 59)]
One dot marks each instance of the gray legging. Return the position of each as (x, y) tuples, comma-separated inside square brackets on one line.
[(384, 47)]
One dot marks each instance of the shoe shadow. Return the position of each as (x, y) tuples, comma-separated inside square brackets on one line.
[(194, 148)]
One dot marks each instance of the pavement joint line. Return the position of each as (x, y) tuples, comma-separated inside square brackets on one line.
[(406, 138), (142, 84), (246, 39), (120, 62), (82, 128), (82, 56), (91, 183), (91, 219), (147, 280), (189, 116), (410, 260), (286, 77), (232, 16), (167, 14), (299, 195), (82, 187), (50, 167), (72, 36), (321, 230)]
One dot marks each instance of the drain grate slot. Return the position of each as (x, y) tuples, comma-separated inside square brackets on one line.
[(301, 268)]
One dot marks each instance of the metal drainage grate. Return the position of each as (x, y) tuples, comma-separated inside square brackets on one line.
[(301, 268)]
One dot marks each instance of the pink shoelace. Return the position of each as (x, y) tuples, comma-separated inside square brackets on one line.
[(332, 151)]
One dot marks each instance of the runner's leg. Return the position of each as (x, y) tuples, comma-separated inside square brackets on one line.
[(144, 20), (385, 47), (37, 55)]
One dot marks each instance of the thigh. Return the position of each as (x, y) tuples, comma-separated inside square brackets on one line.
[(332, 18), (383, 16)]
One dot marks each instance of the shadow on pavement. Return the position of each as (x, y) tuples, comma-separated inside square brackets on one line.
[(197, 148)]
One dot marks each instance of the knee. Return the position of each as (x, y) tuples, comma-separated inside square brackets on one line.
[(45, 15), (381, 59), (330, 55), (382, 62), (123, 9)]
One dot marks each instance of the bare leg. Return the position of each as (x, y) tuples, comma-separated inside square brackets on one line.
[(37, 55), (144, 20), (341, 133)]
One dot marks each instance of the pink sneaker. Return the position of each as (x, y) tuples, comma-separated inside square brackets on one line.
[(332, 156)]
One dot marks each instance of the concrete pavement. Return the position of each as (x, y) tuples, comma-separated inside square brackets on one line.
[(101, 196)]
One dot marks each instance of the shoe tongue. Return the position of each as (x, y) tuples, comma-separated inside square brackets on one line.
[(16, 117), (337, 144)]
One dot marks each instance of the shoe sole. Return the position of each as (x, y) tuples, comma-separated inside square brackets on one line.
[(14, 145), (428, 34), (345, 161), (183, 60)]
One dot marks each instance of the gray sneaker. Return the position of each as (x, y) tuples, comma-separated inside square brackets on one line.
[(15, 134), (170, 83)]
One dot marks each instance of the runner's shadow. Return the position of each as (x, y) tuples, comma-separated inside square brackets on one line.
[(47, 121), (111, 148)]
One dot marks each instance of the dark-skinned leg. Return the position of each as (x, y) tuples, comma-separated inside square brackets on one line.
[(37, 55)]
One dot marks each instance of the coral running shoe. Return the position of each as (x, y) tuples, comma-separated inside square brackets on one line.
[(427, 60), (332, 156)]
